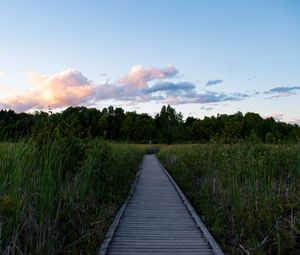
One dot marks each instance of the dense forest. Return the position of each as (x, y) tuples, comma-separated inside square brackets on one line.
[(166, 127)]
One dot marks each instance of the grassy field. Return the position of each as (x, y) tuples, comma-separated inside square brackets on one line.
[(249, 195), (59, 197)]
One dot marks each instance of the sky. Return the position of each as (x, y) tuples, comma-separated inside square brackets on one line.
[(202, 57)]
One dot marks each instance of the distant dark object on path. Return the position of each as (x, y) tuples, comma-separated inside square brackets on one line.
[(153, 150)]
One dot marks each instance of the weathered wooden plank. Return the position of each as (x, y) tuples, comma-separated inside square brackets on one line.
[(157, 220)]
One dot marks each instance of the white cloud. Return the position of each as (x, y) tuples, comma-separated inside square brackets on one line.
[(70, 88), (139, 75), (62, 89)]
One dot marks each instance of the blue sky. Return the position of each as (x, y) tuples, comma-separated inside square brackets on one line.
[(203, 57)]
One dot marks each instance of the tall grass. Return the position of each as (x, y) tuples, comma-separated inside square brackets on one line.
[(59, 197), (249, 195)]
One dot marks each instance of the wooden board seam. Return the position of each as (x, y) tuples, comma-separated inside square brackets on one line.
[(111, 231), (214, 245)]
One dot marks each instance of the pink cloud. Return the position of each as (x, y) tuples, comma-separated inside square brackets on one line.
[(70, 88), (172, 100), (62, 89), (139, 75)]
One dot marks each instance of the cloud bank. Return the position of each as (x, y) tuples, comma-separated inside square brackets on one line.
[(62, 89), (213, 82), (282, 91), (170, 86), (139, 76), (70, 88)]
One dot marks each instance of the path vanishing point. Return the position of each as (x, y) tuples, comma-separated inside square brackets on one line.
[(157, 219)]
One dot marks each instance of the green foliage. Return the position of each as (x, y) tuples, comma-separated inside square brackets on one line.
[(249, 195), (58, 197), (166, 127)]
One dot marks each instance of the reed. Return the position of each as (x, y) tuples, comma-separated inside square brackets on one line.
[(59, 197), (248, 195)]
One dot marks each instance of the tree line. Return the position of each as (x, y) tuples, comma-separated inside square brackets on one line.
[(168, 126)]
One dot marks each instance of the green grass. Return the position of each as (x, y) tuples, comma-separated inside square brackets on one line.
[(59, 197), (248, 195)]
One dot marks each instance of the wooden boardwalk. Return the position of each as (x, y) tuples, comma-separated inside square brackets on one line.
[(157, 219)]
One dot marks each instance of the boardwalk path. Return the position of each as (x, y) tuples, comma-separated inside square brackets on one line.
[(157, 220)]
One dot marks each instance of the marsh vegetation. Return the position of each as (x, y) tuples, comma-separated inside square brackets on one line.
[(60, 197), (248, 195), (64, 175)]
